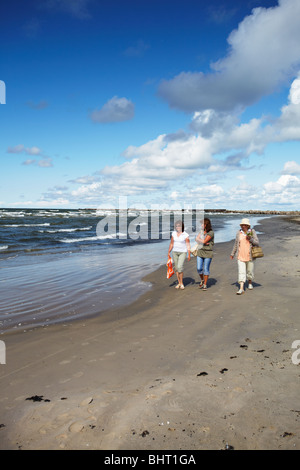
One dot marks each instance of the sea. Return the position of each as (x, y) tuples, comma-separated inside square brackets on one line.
[(59, 265)]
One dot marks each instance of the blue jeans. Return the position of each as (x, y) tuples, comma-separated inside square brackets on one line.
[(203, 265)]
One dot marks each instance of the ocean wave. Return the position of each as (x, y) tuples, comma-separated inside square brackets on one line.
[(66, 230), (74, 240), (3, 247), (104, 212), (26, 225), (49, 213), (88, 239), (12, 214)]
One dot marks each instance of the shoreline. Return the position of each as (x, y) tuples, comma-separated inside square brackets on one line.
[(172, 370)]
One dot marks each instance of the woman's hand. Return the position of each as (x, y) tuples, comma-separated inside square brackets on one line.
[(171, 247), (188, 245)]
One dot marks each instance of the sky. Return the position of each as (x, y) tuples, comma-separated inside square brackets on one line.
[(160, 103)]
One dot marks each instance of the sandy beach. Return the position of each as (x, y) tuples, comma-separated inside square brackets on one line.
[(181, 370)]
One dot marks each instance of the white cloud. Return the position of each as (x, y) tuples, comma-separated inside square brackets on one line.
[(284, 182), (209, 121), (287, 126), (207, 190), (16, 149), (285, 191), (83, 180), (226, 134), (115, 110), (160, 161), (22, 149), (29, 162), (88, 190), (156, 163), (33, 151), (264, 52), (46, 163), (291, 168), (294, 95), (146, 150)]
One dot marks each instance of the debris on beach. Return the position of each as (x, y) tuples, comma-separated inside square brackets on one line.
[(287, 434), (228, 447), (38, 398)]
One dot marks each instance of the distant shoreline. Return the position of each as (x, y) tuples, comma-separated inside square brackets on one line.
[(223, 211)]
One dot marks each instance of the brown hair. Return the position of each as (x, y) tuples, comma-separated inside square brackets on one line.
[(207, 224)]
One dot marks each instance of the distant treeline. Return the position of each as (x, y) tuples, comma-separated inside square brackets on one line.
[(227, 211)]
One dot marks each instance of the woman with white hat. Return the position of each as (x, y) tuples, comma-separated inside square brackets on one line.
[(245, 238)]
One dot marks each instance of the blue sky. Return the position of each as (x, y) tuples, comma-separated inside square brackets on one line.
[(164, 102)]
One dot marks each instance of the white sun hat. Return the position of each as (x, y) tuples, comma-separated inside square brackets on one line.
[(245, 222)]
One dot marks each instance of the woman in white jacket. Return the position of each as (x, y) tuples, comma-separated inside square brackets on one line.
[(245, 238)]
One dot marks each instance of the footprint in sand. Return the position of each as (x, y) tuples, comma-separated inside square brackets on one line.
[(78, 374), (174, 406), (86, 401), (76, 427)]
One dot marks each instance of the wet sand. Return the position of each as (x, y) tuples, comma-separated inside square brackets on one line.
[(176, 370)]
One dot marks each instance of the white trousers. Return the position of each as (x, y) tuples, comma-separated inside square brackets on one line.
[(245, 271)]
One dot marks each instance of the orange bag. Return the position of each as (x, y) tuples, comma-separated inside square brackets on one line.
[(170, 270)]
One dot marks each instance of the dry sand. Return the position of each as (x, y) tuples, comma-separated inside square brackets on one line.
[(181, 370)]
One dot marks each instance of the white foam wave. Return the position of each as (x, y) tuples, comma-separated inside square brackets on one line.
[(74, 240), (26, 225), (87, 239), (66, 230)]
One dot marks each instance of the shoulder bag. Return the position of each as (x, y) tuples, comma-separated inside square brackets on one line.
[(257, 252)]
